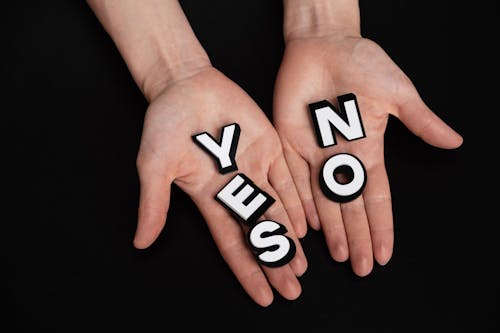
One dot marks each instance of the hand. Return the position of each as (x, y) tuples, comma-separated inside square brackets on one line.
[(322, 67), (206, 101)]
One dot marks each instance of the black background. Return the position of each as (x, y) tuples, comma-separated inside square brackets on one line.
[(72, 119)]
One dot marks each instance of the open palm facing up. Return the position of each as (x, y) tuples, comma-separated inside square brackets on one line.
[(205, 102), (322, 68)]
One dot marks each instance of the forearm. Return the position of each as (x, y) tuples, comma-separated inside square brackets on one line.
[(155, 40), (316, 18)]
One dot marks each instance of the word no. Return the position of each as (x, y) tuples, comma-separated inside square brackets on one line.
[(347, 121)]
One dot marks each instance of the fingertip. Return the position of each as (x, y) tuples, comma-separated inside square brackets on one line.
[(138, 245), (298, 221), (292, 289), (312, 215), (313, 221), (362, 266), (427, 125), (301, 229), (138, 241), (456, 141), (298, 218), (146, 233), (383, 254), (141, 244), (152, 213), (299, 265), (264, 297), (315, 225), (143, 239), (340, 252), (446, 138)]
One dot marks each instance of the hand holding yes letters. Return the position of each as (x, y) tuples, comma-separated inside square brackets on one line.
[(206, 102), (323, 67), (187, 97)]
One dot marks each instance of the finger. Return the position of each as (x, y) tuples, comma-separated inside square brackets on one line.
[(377, 199), (425, 124), (284, 281), (299, 170), (330, 217), (231, 242), (278, 214), (358, 236), (153, 206), (281, 180), (282, 278)]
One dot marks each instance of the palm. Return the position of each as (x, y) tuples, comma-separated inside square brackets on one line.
[(206, 102), (315, 69)]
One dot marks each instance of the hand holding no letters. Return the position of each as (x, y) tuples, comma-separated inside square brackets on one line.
[(326, 57)]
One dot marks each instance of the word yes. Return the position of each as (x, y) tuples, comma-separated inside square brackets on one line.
[(246, 201)]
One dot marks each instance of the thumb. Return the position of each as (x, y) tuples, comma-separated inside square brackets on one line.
[(424, 123), (153, 206)]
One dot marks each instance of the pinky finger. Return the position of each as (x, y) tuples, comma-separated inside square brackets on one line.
[(282, 182), (299, 169)]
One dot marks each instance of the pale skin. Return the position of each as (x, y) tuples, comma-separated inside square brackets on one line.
[(325, 57), (205, 102), (188, 96)]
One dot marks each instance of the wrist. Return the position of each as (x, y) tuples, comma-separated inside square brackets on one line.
[(319, 18), (155, 40), (168, 69)]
